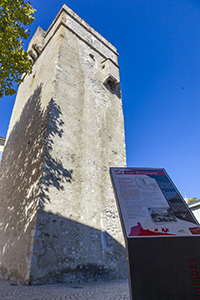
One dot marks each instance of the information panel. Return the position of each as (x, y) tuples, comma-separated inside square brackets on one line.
[(150, 204), (162, 236)]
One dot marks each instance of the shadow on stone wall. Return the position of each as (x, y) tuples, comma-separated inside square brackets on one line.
[(53, 173), (21, 172), (22, 165), (20, 177), (27, 159), (68, 251)]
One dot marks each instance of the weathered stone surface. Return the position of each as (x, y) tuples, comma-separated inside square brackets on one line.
[(59, 219)]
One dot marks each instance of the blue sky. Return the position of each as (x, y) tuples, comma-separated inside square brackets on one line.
[(159, 47)]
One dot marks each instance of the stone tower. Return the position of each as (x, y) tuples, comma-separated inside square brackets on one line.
[(58, 216)]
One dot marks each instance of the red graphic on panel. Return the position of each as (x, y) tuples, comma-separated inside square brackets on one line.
[(164, 229), (138, 230), (137, 172), (195, 230)]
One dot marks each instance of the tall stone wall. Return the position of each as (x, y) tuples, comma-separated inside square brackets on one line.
[(59, 220)]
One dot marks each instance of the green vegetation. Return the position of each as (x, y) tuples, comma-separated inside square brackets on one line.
[(15, 17)]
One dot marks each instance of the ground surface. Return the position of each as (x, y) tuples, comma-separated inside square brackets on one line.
[(110, 290)]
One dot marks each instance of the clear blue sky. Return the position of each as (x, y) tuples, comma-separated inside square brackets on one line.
[(159, 46)]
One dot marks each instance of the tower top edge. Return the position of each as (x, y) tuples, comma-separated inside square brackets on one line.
[(60, 17)]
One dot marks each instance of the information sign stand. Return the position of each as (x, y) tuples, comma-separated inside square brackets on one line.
[(162, 236)]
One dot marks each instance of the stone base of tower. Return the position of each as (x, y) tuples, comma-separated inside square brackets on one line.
[(68, 251), (58, 215)]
